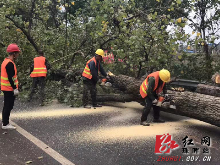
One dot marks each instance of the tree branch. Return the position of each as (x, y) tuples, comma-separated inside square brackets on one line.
[(30, 18), (2, 44), (110, 39), (30, 39)]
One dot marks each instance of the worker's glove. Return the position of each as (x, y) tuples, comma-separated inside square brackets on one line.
[(108, 84), (159, 101), (104, 80), (16, 92), (154, 102)]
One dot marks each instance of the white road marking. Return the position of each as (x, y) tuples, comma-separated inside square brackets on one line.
[(58, 157)]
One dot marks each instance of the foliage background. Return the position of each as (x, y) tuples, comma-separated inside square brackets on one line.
[(135, 31)]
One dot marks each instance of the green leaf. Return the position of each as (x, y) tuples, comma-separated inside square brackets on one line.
[(178, 1), (182, 24), (180, 57), (153, 28)]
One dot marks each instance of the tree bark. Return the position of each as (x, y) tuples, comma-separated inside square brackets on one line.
[(69, 75), (208, 90), (117, 98), (127, 84), (195, 105)]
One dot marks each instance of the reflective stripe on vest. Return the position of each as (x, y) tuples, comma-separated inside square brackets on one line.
[(5, 84), (86, 72), (144, 84), (40, 69), (143, 87)]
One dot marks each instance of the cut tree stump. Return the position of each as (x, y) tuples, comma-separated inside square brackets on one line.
[(216, 78)]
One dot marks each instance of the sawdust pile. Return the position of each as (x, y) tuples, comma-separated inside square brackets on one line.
[(55, 113), (121, 133)]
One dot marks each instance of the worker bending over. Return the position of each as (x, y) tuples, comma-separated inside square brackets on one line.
[(150, 90)]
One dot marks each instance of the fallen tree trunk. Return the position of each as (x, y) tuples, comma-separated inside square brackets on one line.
[(208, 90), (198, 106), (118, 98), (69, 75), (127, 84), (195, 105)]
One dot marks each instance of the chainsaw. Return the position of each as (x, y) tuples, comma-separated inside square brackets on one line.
[(166, 100), (105, 83)]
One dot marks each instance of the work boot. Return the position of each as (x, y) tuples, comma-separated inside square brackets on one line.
[(8, 126), (158, 121), (87, 106), (97, 105), (145, 123)]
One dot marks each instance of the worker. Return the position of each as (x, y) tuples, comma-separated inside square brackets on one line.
[(151, 88), (9, 84), (38, 72), (90, 78)]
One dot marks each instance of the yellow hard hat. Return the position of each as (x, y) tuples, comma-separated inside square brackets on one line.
[(100, 52), (164, 75)]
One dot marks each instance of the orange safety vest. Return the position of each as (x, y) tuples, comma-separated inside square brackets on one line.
[(5, 84), (40, 69), (87, 73), (143, 87)]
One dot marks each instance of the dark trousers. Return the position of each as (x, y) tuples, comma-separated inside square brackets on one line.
[(9, 99), (41, 82), (146, 111), (89, 86)]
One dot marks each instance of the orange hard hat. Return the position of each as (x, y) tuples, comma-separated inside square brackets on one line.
[(13, 48)]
